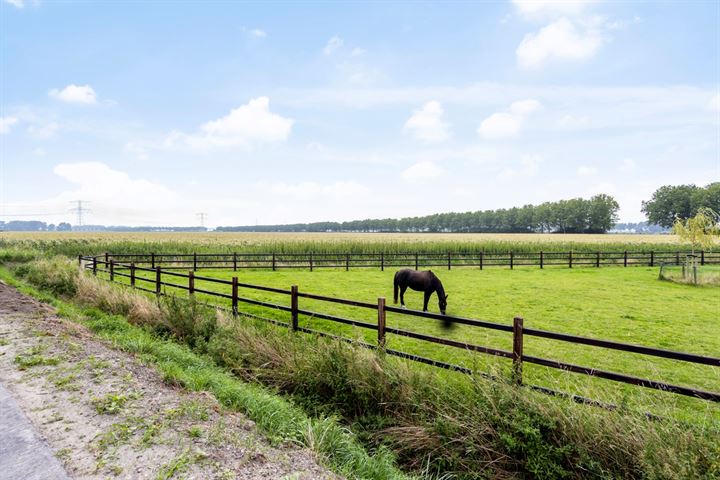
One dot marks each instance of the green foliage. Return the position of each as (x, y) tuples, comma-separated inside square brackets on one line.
[(670, 202), (701, 230), (56, 275)]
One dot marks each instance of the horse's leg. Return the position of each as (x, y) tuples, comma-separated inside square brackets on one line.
[(427, 299), (402, 295)]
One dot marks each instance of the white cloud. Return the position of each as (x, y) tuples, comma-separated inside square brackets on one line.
[(356, 52), (714, 103), (561, 40), (258, 33), (627, 165), (501, 125), (421, 171), (543, 9), (333, 45), (43, 132), (16, 3), (6, 123), (427, 123), (529, 166), (250, 123), (571, 121), (585, 171), (74, 94)]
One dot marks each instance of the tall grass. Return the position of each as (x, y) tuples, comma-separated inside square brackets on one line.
[(438, 424)]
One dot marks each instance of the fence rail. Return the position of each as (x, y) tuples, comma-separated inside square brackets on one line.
[(116, 269), (312, 261)]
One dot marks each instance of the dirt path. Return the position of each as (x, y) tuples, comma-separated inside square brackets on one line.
[(105, 414)]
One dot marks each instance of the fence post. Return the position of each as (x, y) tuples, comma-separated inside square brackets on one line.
[(482, 254), (416, 261), (294, 308), (152, 260), (132, 275), (80, 260), (625, 259), (449, 260), (95, 266), (381, 322), (347, 262), (106, 258), (311, 261), (382, 261), (517, 354), (542, 260), (112, 270), (677, 258), (512, 259), (194, 261), (273, 261), (191, 282), (597, 260), (702, 257), (157, 280), (570, 259), (234, 262), (652, 258), (235, 296)]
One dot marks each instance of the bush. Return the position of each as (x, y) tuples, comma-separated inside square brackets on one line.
[(56, 275)]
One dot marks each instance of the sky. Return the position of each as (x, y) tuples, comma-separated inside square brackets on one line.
[(282, 112)]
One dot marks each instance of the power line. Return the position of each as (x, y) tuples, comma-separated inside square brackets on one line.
[(202, 216), (79, 210)]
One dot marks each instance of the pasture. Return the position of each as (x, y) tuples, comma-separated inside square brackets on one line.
[(626, 305)]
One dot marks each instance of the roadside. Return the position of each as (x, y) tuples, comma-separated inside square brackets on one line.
[(106, 414)]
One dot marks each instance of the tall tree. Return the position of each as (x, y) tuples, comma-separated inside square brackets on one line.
[(672, 201)]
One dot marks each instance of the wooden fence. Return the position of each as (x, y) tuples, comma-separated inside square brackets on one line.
[(417, 260), (157, 280)]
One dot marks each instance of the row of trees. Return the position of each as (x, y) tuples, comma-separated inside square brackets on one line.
[(33, 226), (577, 215), (670, 202)]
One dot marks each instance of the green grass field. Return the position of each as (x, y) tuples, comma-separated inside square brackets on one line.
[(627, 305)]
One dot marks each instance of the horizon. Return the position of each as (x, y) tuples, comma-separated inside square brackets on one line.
[(151, 115)]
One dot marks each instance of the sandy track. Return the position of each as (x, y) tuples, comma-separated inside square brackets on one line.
[(105, 414)]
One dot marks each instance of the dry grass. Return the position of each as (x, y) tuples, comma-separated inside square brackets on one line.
[(114, 299)]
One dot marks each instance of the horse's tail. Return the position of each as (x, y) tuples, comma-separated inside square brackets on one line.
[(395, 288)]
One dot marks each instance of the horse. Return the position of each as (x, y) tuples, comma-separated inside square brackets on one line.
[(419, 281)]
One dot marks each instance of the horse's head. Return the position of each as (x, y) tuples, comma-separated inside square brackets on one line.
[(442, 303)]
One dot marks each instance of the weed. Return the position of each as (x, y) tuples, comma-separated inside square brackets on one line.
[(110, 404)]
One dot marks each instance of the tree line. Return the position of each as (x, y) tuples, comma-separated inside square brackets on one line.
[(577, 215), (670, 202)]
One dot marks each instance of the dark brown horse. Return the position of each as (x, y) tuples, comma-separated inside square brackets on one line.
[(425, 282)]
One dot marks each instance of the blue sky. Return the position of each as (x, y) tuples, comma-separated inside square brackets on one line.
[(295, 112)]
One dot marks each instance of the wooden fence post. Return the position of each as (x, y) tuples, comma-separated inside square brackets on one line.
[(273, 261), (625, 259), (381, 322), (80, 260), (702, 257), (542, 259), (416, 261), (512, 259), (95, 266), (597, 260), (234, 262), (294, 308), (132, 275), (482, 254), (570, 259), (677, 258), (382, 261), (152, 260), (106, 258), (194, 261), (449, 261), (347, 262), (112, 270), (157, 280), (517, 354), (652, 258), (191, 282), (235, 296), (311, 261)]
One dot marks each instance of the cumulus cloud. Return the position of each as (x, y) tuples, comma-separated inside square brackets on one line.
[(529, 166), (74, 94), (501, 125), (16, 3), (258, 33), (561, 40), (333, 45), (6, 123), (247, 124), (544, 9), (427, 123), (422, 171)]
